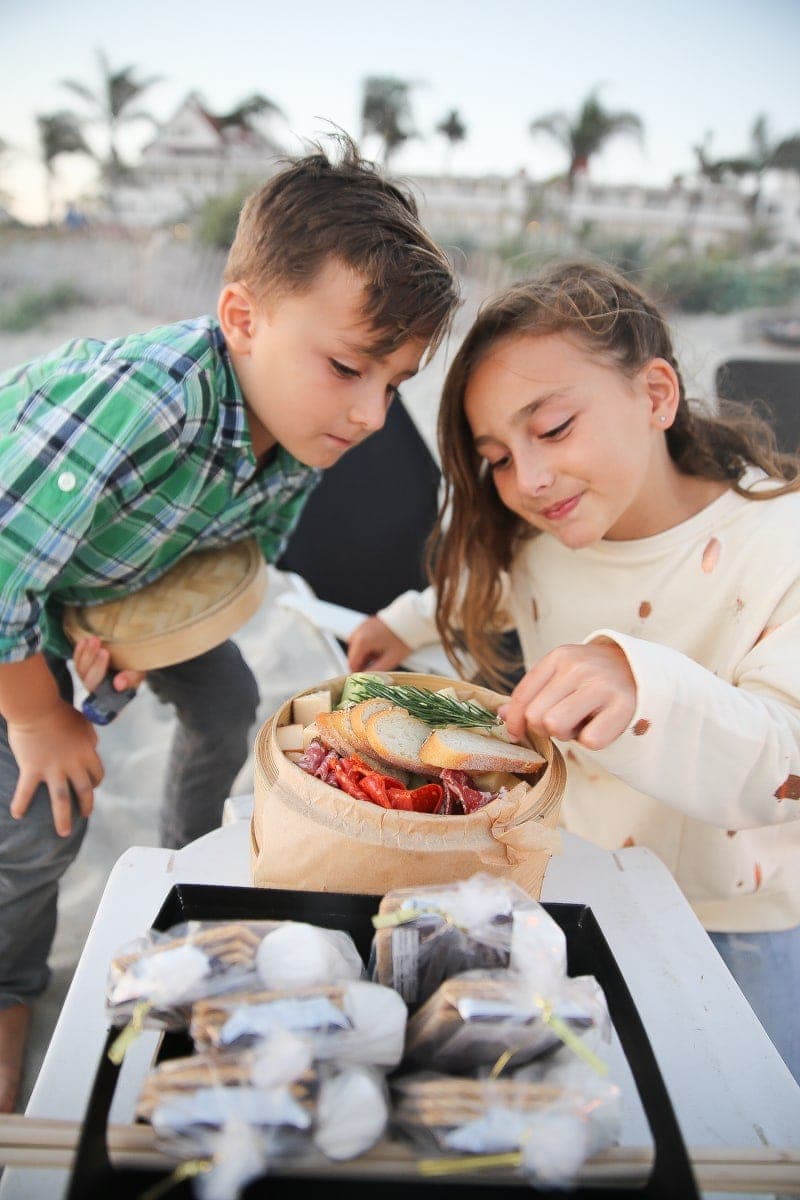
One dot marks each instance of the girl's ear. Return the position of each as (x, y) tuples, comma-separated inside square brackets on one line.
[(663, 390), (236, 311)]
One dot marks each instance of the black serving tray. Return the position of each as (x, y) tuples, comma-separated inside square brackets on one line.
[(588, 953)]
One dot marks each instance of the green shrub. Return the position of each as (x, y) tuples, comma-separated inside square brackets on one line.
[(31, 307), (627, 255), (720, 284), (218, 216)]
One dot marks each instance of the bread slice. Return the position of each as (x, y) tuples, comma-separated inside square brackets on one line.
[(359, 713), (397, 737), (466, 751), (332, 732), (335, 732)]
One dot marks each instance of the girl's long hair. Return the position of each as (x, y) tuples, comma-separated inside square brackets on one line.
[(476, 537)]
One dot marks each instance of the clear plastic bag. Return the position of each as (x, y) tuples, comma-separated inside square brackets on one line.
[(354, 1022), (550, 1124), (291, 1103), (164, 973), (425, 935), (484, 1020)]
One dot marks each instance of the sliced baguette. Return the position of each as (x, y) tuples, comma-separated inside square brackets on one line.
[(396, 737), (466, 751), (359, 713), (335, 732)]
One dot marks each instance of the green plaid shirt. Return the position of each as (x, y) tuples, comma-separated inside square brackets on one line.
[(117, 459)]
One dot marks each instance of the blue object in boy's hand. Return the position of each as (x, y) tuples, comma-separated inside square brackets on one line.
[(105, 703)]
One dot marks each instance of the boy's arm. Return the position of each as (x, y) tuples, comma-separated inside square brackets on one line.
[(50, 740)]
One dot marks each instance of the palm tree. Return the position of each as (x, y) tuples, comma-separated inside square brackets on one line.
[(386, 111), (762, 155), (453, 129), (110, 106), (786, 155), (586, 133), (59, 133), (241, 116)]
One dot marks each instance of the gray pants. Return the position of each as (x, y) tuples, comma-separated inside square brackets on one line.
[(215, 698)]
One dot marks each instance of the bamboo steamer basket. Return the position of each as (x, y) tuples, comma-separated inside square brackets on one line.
[(309, 836), (193, 607)]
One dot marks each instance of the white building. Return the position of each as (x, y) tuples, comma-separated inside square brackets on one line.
[(194, 156), (482, 209), (779, 205), (485, 210), (702, 214)]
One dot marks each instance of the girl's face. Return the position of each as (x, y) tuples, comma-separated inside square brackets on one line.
[(575, 447)]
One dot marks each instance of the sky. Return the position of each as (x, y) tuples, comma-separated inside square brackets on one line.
[(686, 67)]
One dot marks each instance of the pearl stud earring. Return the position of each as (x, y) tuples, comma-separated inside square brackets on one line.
[(662, 419)]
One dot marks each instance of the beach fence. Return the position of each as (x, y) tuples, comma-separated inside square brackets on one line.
[(153, 272)]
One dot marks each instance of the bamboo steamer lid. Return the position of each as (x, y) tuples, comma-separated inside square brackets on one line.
[(193, 607)]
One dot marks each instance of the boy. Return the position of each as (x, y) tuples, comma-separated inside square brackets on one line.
[(117, 459)]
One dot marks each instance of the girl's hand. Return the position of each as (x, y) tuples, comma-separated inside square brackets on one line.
[(373, 647), (56, 748), (585, 694), (92, 660)]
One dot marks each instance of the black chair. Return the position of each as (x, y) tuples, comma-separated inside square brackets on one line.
[(773, 386), (361, 537), (360, 540)]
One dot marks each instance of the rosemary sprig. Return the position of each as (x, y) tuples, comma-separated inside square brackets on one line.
[(431, 707)]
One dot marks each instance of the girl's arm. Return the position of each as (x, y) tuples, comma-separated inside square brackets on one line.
[(373, 647), (412, 618), (382, 642), (725, 753)]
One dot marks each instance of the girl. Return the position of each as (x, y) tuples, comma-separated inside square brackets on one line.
[(648, 554)]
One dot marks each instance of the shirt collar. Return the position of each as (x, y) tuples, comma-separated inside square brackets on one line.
[(234, 431)]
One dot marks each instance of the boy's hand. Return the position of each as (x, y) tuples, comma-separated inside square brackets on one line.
[(373, 647), (585, 694), (57, 748), (92, 660)]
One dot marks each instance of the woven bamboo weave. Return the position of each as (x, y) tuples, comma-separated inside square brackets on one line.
[(195, 606)]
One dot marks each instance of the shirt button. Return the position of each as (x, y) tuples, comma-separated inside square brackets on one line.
[(66, 481)]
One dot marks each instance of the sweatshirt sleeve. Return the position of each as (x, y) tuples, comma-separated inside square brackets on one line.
[(726, 753), (411, 617)]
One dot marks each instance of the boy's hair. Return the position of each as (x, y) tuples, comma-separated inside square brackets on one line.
[(476, 536), (317, 209)]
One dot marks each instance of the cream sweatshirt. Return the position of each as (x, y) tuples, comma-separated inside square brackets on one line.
[(708, 773)]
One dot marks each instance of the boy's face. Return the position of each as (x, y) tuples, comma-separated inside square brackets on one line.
[(301, 361)]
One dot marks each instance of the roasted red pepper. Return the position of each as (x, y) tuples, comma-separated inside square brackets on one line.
[(376, 789), (357, 779), (424, 799), (348, 782)]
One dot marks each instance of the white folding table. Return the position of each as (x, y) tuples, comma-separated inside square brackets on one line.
[(728, 1085)]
